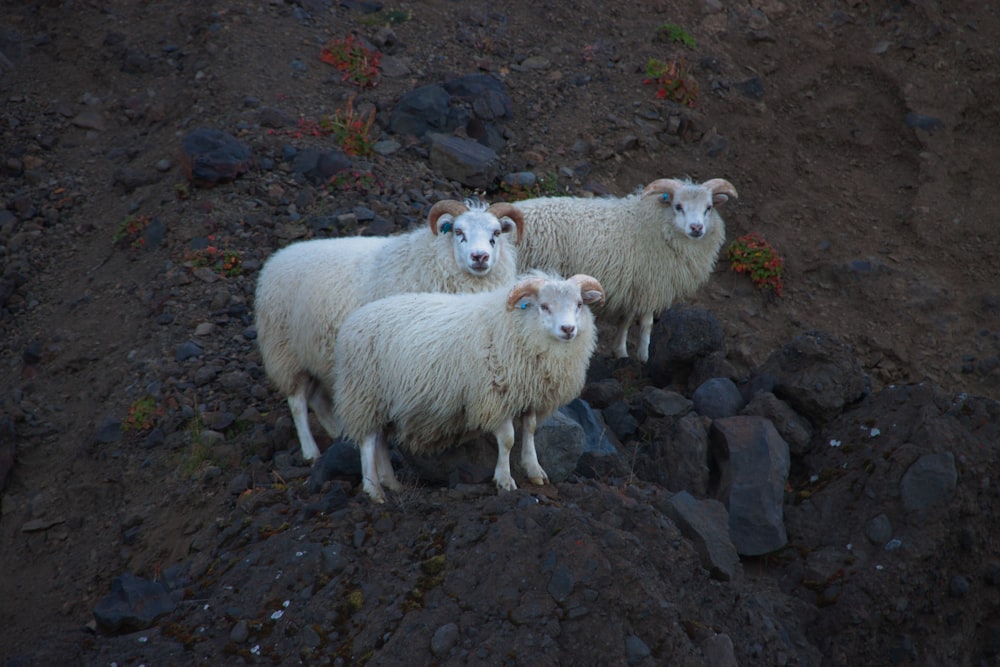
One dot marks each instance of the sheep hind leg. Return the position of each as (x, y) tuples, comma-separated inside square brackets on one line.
[(386, 476), (299, 406), (645, 333), (321, 403), (621, 340), (505, 442), (529, 456), (370, 447)]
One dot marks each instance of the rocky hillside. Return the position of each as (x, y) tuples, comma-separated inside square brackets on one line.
[(803, 479)]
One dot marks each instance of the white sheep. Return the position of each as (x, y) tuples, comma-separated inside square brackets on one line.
[(431, 368), (305, 291), (648, 250)]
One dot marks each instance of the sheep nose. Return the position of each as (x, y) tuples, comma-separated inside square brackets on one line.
[(568, 329), (697, 229), (480, 257)]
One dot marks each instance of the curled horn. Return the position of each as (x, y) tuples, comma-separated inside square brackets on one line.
[(662, 186), (720, 188), (503, 209), (450, 206), (523, 289), (588, 284)]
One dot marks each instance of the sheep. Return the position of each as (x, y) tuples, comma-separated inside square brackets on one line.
[(648, 249), (431, 368), (305, 291)]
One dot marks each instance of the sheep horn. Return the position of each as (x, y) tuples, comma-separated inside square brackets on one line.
[(450, 206), (523, 289), (503, 209), (588, 284), (721, 189), (661, 186)]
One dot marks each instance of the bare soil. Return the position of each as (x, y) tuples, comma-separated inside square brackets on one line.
[(862, 138)]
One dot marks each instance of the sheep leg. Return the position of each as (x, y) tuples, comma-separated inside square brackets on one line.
[(321, 404), (645, 332), (505, 442), (299, 407), (369, 466), (529, 456), (621, 338), (386, 476)]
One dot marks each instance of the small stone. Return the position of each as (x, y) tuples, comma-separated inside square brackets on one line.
[(240, 632), (444, 639), (958, 586), (535, 62), (188, 350), (89, 120), (635, 649)]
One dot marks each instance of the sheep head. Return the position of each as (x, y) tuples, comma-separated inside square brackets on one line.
[(691, 203), (476, 230), (558, 304)]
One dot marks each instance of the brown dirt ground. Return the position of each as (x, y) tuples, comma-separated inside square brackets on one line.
[(888, 229)]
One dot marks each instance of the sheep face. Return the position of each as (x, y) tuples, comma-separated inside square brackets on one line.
[(690, 203), (477, 240), (476, 230), (557, 305)]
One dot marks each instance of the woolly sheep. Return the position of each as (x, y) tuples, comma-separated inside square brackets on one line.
[(648, 249), (430, 368), (305, 291)]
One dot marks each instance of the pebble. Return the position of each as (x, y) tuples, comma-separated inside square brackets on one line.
[(635, 649), (90, 120), (240, 632), (444, 639), (188, 350)]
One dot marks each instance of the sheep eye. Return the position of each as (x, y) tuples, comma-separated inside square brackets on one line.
[(678, 208), (493, 242), (545, 308), (708, 209)]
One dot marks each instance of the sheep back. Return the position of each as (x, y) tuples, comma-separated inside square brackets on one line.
[(437, 367), (304, 292), (391, 270)]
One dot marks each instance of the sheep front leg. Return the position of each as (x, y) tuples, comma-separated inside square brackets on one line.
[(529, 456), (369, 466), (299, 407), (645, 332), (505, 442)]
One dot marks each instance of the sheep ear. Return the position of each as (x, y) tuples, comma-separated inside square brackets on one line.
[(592, 296), (721, 190), (513, 215)]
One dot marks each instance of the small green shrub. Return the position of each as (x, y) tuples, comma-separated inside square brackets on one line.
[(752, 255), (675, 33)]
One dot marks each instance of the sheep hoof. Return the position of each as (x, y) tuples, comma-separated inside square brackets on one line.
[(506, 484), (376, 494), (539, 481)]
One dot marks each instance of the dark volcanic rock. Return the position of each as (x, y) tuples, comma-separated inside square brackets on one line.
[(212, 156)]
